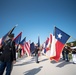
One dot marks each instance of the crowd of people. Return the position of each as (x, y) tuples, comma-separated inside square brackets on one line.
[(9, 54), (69, 50)]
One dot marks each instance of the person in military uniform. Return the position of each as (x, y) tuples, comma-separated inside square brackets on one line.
[(8, 57)]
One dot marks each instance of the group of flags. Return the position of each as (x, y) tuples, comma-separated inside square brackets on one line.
[(18, 42), (26, 46), (52, 47), (55, 43)]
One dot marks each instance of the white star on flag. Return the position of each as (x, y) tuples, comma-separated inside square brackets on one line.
[(59, 35)]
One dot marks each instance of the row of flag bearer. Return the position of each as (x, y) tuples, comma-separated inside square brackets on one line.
[(11, 47)]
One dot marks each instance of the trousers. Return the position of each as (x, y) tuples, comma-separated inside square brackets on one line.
[(74, 58), (36, 58), (7, 65)]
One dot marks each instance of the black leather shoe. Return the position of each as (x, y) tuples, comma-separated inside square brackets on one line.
[(67, 60), (37, 62), (63, 59)]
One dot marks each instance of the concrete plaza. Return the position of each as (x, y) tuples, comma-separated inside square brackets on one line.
[(27, 66)]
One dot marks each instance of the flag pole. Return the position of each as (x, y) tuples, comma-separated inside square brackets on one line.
[(73, 38)]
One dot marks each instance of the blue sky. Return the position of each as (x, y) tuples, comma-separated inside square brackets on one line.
[(38, 17)]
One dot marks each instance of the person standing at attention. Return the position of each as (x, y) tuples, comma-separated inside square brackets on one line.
[(8, 57), (36, 52)]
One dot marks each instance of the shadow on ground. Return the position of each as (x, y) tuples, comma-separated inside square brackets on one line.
[(61, 63), (33, 71), (32, 60)]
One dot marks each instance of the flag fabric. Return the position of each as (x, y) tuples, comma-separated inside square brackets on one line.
[(11, 30), (23, 42), (48, 47), (5, 37), (22, 46), (27, 47), (38, 41), (53, 47), (32, 48), (60, 40), (49, 41), (17, 39), (43, 48), (46, 43)]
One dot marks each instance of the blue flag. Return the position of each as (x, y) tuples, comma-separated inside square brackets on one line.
[(38, 41), (6, 35), (32, 48), (18, 38), (23, 41)]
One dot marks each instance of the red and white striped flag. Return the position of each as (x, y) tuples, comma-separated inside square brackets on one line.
[(27, 48), (53, 47), (49, 42), (48, 47), (59, 40)]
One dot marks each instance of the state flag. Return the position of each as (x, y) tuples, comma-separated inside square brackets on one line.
[(60, 39)]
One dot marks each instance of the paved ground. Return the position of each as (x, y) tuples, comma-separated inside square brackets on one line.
[(27, 66)]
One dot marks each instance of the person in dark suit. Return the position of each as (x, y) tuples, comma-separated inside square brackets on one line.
[(36, 52), (1, 49), (67, 50), (8, 57), (65, 53)]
